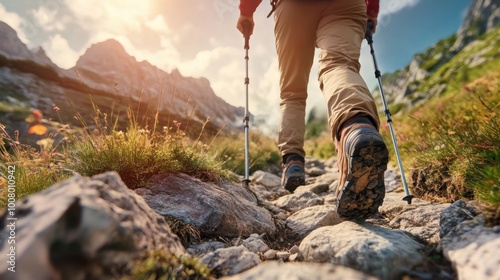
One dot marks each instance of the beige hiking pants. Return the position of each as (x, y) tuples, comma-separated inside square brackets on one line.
[(337, 28)]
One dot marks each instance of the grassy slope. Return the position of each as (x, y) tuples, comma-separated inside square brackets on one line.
[(451, 141)]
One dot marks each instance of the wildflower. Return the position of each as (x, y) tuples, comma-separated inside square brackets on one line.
[(37, 129), (37, 114), (56, 108)]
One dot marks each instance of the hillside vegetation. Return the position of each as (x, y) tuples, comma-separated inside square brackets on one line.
[(450, 138)]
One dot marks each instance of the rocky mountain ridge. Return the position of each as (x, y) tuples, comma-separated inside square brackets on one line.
[(405, 87), (113, 79)]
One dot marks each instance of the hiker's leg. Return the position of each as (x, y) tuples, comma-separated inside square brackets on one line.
[(295, 33), (339, 36)]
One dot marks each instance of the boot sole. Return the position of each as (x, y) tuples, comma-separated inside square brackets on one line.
[(293, 182), (364, 190)]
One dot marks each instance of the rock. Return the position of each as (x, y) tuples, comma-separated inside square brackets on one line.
[(394, 205), (299, 271), (268, 180), (297, 201), (96, 219), (317, 188), (306, 220), (473, 250), (327, 178), (283, 255), (315, 171), (331, 163), (267, 185), (293, 257), (255, 244), (422, 221), (392, 180), (205, 248), (270, 254), (313, 163), (230, 261), (294, 249), (382, 252), (227, 209), (455, 214)]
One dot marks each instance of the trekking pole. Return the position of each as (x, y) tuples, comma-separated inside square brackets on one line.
[(369, 38), (246, 33)]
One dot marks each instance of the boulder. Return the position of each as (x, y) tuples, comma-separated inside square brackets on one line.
[(226, 209), (378, 251), (300, 271), (473, 248), (82, 228), (306, 220)]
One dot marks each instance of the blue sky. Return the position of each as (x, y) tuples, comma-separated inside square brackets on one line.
[(200, 39), (413, 30)]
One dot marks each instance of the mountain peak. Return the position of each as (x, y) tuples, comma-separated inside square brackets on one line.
[(109, 45), (105, 57)]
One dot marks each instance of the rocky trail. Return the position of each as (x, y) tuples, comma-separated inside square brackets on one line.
[(90, 228)]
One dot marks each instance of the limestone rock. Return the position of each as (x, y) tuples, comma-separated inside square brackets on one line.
[(95, 219), (297, 201), (452, 216), (230, 261), (205, 248), (473, 250), (306, 220), (267, 185), (422, 221), (382, 252), (255, 244), (227, 209), (266, 179), (300, 271), (317, 188)]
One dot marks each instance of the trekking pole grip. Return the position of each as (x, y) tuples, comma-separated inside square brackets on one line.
[(368, 34), (247, 26)]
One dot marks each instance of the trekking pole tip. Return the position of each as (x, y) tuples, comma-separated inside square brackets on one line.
[(408, 198)]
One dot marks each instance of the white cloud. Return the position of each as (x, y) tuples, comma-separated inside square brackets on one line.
[(115, 16), (394, 6), (159, 25), (58, 49), (47, 19)]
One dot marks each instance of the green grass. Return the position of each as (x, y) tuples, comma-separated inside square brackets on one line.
[(457, 71), (230, 150), (137, 153), (162, 265), (35, 170), (452, 143)]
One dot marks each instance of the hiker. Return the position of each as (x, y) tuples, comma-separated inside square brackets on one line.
[(337, 28)]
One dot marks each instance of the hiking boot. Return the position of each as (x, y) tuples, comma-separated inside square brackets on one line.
[(293, 172), (362, 160)]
